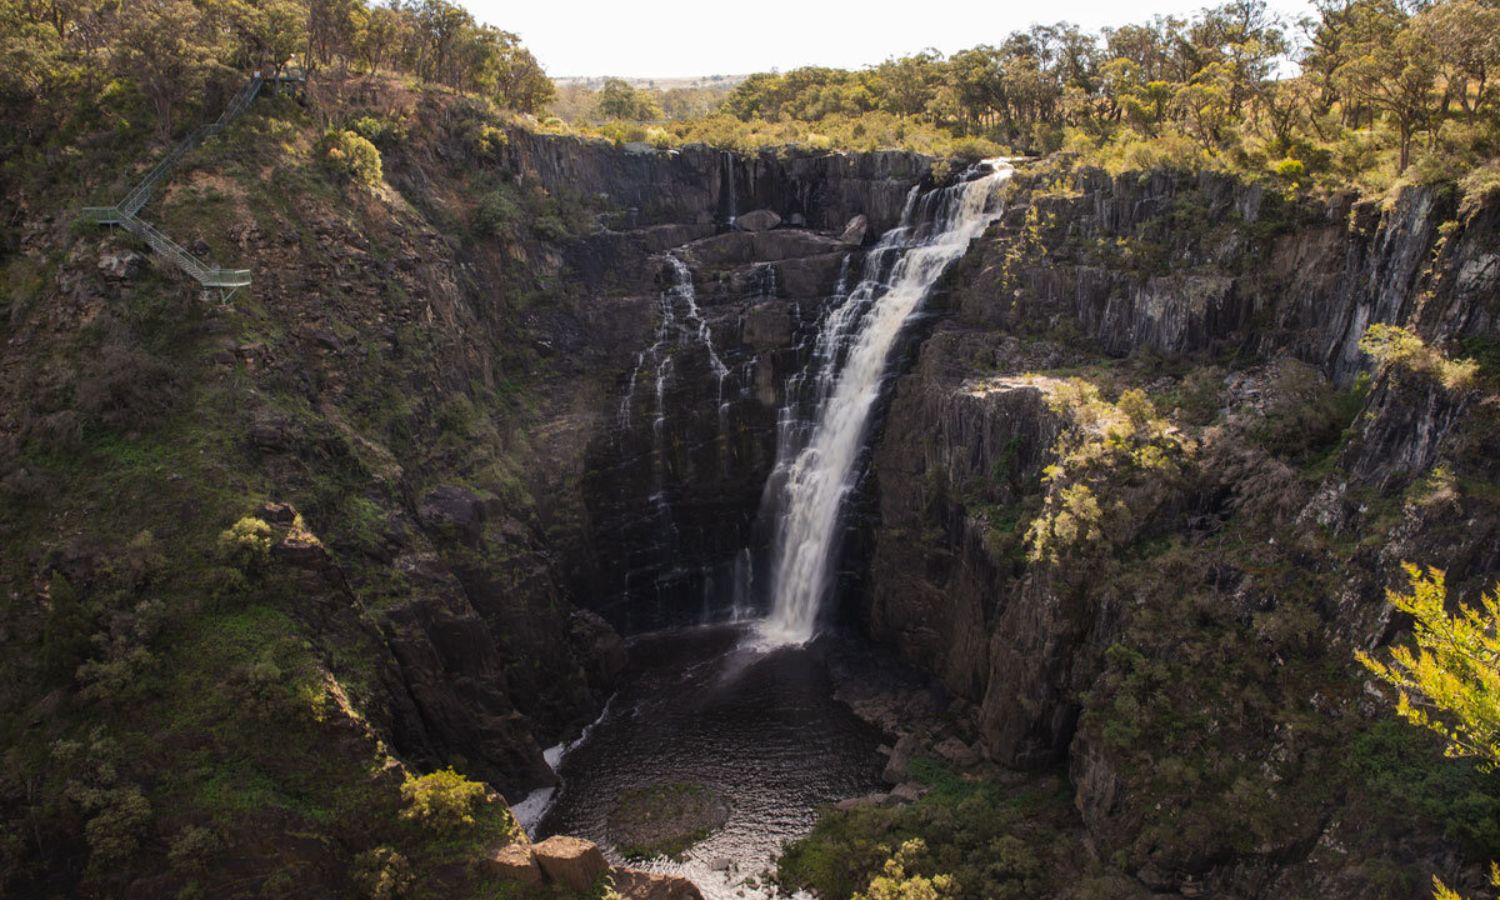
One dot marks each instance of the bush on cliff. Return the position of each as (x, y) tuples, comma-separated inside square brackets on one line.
[(975, 838), (349, 155), (444, 800), (1394, 346)]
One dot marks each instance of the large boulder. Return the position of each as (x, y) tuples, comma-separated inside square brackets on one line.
[(810, 277), (515, 863), (758, 220), (900, 761), (120, 264), (908, 792), (744, 248), (570, 861), (854, 232), (453, 510), (600, 645), (957, 753)]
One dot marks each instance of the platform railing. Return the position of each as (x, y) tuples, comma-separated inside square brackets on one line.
[(125, 212)]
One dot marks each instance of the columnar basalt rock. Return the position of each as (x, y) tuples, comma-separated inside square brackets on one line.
[(821, 189), (1202, 272)]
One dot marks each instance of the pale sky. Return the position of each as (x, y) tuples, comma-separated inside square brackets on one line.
[(685, 38)]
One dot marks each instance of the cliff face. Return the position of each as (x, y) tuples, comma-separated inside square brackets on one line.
[(1165, 657), (383, 512), (357, 517), (677, 449), (699, 185)]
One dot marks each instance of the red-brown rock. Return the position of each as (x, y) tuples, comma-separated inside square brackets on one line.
[(514, 862), (571, 862)]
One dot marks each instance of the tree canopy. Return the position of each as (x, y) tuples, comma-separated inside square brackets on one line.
[(1448, 679), (168, 50), (1358, 87)]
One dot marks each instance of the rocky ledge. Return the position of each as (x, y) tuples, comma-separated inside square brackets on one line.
[(577, 866)]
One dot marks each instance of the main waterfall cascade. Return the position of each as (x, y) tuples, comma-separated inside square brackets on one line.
[(818, 457), (784, 569)]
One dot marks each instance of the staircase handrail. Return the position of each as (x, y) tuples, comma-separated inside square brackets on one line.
[(141, 195), (124, 213)]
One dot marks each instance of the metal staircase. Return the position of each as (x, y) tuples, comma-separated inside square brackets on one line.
[(124, 213)]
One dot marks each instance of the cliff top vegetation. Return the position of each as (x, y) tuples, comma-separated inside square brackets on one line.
[(1366, 92), (1369, 93)]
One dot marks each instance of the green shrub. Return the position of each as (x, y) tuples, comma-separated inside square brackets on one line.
[(1200, 395), (978, 840), (1290, 169), (350, 155), (498, 213), (192, 848), (1391, 345), (488, 141), (246, 543), (383, 874), (1405, 772), (1303, 413), (443, 800), (119, 816), (898, 880), (1479, 185)]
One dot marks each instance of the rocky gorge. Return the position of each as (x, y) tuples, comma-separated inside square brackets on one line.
[(1131, 499)]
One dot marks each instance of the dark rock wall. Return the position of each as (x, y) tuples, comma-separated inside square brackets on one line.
[(689, 186), (1191, 272), (667, 497), (672, 492)]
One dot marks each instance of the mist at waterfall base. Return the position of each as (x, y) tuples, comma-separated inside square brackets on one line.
[(746, 707)]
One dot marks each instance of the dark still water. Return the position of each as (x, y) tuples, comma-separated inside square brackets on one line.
[(760, 727)]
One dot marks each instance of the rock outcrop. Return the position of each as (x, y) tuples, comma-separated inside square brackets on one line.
[(823, 190), (574, 863)]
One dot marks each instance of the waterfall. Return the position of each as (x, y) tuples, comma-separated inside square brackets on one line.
[(693, 328), (728, 203), (818, 457), (678, 371)]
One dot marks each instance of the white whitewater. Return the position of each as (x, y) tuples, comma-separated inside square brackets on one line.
[(692, 328), (680, 325), (817, 463)]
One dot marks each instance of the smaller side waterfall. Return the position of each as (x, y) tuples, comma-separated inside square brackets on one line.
[(728, 202), (663, 543), (692, 329), (818, 457)]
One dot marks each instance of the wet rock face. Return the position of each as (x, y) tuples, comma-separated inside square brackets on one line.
[(675, 475), (679, 420)]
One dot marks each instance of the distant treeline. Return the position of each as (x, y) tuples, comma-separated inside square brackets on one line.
[(1357, 91), (1356, 85)]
